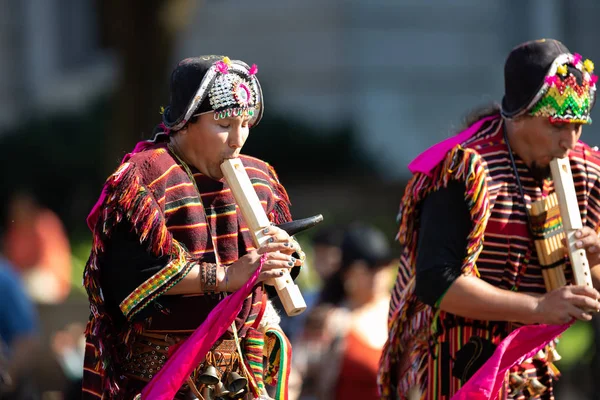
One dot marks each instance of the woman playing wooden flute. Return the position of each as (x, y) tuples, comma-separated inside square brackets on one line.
[(169, 246), (469, 273)]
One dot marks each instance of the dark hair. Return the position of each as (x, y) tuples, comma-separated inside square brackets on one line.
[(333, 291), (160, 127), (329, 236), (482, 111), (360, 243)]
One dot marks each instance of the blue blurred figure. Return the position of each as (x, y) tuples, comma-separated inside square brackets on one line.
[(18, 337)]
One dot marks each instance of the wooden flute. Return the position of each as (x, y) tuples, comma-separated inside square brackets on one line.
[(255, 217), (571, 218)]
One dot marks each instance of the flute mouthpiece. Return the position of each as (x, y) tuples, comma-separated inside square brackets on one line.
[(299, 225)]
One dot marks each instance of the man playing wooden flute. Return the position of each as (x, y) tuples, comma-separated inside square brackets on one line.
[(169, 245), (469, 273)]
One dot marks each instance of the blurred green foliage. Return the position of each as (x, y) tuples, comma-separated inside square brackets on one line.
[(60, 158), (576, 345)]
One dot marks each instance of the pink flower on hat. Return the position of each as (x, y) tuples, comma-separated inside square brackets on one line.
[(253, 70), (550, 80), (222, 67)]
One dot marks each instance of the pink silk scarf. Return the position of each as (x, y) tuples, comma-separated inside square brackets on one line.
[(430, 158), (192, 352), (520, 345)]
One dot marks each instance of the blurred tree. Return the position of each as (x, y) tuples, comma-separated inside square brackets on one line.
[(142, 34), (67, 156), (302, 152)]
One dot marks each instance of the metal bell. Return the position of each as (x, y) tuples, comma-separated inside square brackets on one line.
[(516, 382), (235, 382), (540, 355), (189, 395), (208, 393), (237, 395), (221, 390), (209, 376), (536, 387), (553, 355)]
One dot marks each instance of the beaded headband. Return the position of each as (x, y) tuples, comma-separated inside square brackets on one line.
[(230, 94), (232, 89), (561, 98)]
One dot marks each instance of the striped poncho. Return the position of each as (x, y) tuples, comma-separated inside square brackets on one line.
[(154, 195), (423, 341)]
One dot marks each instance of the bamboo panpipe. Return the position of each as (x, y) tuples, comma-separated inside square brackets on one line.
[(548, 232), (554, 218)]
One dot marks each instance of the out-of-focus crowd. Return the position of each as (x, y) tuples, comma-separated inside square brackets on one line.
[(35, 283), (336, 343)]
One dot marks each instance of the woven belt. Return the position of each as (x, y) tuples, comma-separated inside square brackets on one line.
[(150, 351)]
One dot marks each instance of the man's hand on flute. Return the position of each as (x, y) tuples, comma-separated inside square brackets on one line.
[(588, 240), (566, 303)]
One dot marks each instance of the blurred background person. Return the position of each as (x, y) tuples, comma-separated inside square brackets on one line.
[(327, 252), (19, 337), (37, 246), (325, 259), (337, 355), (68, 346)]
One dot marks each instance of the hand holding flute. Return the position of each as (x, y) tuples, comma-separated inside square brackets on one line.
[(264, 234), (278, 262), (572, 301)]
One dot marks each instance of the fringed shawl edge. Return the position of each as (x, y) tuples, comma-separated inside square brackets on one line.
[(409, 322), (127, 199)]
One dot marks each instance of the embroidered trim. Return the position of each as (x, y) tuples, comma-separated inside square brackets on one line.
[(279, 360), (561, 98), (253, 353), (157, 284), (230, 95)]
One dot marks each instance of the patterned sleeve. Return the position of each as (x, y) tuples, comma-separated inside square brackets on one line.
[(460, 165), (131, 277), (139, 258)]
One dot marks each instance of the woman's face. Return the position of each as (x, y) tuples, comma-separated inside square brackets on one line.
[(363, 284), (209, 142)]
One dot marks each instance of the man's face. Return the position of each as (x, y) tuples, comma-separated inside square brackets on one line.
[(213, 141), (547, 140)]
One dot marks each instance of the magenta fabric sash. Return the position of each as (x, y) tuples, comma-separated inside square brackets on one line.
[(192, 352), (520, 345), (430, 158)]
